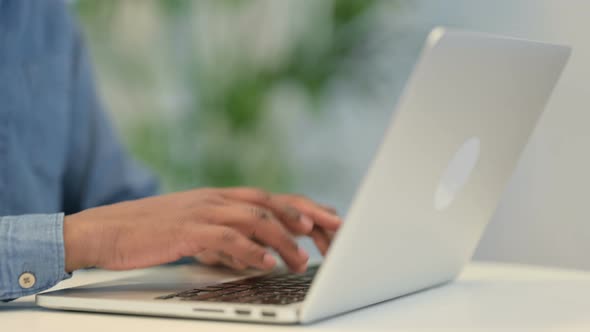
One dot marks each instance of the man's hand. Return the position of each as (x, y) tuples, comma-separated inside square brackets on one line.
[(321, 222), (235, 223)]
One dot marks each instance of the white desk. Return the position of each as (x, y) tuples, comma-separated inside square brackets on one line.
[(487, 297)]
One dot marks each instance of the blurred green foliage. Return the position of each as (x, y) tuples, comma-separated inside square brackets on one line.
[(220, 137)]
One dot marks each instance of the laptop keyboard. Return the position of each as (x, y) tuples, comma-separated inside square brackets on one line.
[(277, 288)]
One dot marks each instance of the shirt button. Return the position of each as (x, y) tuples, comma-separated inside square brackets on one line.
[(27, 280)]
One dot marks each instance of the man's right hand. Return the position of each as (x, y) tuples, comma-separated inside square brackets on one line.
[(238, 222)]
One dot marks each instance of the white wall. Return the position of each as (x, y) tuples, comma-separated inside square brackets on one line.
[(543, 217)]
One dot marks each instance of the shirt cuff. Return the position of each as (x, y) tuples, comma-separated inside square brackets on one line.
[(33, 255)]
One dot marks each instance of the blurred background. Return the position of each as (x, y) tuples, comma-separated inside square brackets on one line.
[(294, 95)]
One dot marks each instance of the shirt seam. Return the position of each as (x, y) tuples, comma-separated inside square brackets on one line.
[(59, 247)]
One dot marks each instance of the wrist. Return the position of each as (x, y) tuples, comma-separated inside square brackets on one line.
[(78, 239)]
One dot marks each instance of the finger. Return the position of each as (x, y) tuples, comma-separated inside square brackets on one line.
[(231, 262), (328, 209), (208, 257), (320, 214), (289, 215), (321, 239), (231, 242), (261, 225)]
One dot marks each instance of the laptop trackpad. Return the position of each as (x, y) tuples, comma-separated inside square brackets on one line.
[(156, 281)]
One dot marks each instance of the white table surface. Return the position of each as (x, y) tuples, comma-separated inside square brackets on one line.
[(486, 297)]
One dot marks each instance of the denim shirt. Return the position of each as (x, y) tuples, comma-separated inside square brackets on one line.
[(58, 152)]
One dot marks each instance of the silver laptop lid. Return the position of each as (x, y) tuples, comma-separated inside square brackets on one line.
[(466, 115)]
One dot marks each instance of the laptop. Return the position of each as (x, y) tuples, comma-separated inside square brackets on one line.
[(463, 120)]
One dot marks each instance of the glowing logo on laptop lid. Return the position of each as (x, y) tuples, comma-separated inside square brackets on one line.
[(457, 173)]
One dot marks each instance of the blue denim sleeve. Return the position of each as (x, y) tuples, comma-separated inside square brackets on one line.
[(32, 253)]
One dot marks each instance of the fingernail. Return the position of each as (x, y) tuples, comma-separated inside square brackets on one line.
[(306, 221), (302, 253), (268, 260), (337, 218)]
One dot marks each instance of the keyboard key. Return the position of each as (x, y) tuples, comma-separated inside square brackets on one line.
[(276, 288)]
